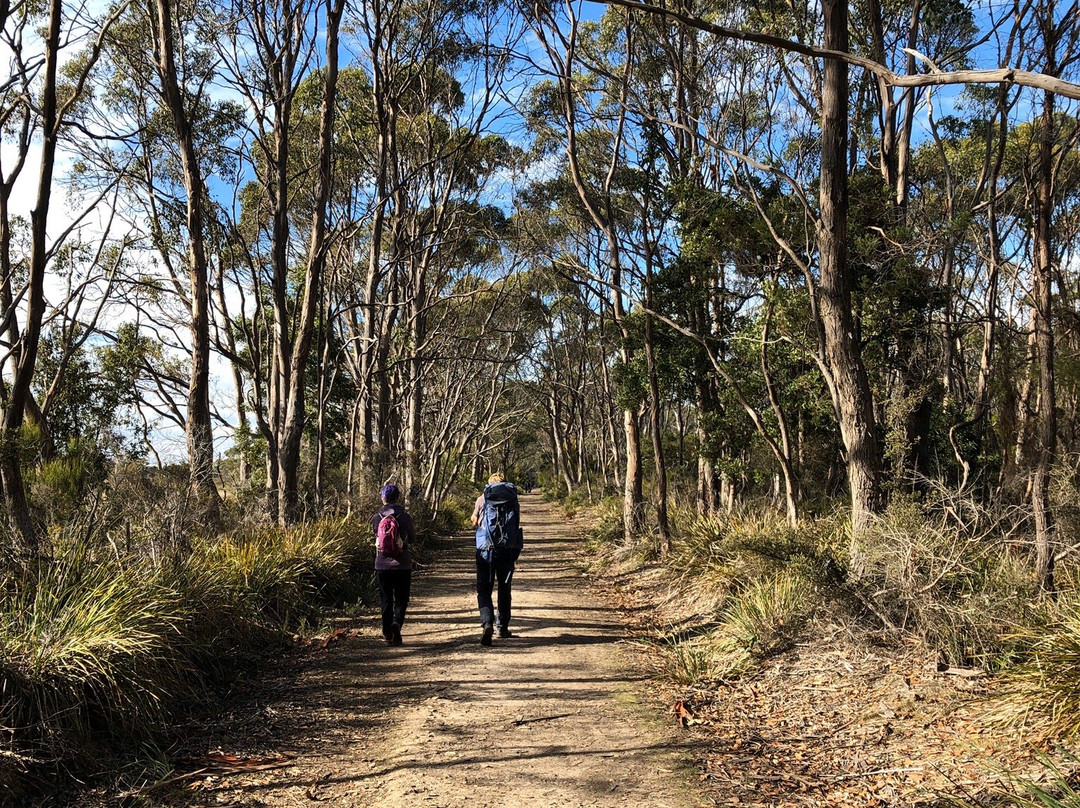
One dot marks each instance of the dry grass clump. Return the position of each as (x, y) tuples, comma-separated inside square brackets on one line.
[(945, 571), (604, 536), (755, 583), (763, 620), (1040, 695), (941, 570), (90, 648)]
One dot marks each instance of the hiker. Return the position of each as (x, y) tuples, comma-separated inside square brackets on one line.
[(394, 534), (498, 543)]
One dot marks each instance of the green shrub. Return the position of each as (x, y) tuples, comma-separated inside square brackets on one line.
[(719, 553), (57, 487), (454, 514), (605, 531), (768, 616)]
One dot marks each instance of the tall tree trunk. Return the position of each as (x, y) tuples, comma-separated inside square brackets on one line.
[(10, 467), (293, 427), (200, 435), (656, 424), (848, 374), (632, 496), (415, 367), (1046, 448)]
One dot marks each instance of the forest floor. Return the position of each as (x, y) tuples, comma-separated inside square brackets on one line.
[(568, 712)]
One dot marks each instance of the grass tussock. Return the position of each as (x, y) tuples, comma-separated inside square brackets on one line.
[(91, 648), (100, 648), (763, 620), (753, 581), (1040, 695), (768, 617)]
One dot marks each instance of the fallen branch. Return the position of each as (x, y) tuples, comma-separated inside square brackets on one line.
[(517, 722)]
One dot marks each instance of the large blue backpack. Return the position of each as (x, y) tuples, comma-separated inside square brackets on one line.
[(498, 535)]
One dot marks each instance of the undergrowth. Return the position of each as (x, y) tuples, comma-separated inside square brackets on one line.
[(941, 570), (102, 649)]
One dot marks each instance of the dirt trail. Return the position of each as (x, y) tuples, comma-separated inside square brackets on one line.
[(548, 717)]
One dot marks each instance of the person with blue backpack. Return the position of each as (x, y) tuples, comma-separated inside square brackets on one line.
[(497, 520), (394, 534)]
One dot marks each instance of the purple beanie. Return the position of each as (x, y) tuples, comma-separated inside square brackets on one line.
[(390, 492)]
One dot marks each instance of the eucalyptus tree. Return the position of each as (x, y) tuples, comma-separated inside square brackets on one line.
[(1055, 36), (478, 390), (38, 101), (1045, 33), (175, 150), (423, 198), (581, 115), (268, 50)]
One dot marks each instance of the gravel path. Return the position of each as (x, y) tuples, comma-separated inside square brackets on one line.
[(550, 717)]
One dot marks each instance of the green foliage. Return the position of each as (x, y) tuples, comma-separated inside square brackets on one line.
[(92, 393), (58, 486), (454, 514)]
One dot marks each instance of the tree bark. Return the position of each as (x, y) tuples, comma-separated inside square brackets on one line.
[(200, 435), (842, 350)]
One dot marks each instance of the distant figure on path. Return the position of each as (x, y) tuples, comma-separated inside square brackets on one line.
[(394, 534), (498, 543)]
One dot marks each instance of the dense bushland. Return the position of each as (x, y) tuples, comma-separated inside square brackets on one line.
[(939, 570)]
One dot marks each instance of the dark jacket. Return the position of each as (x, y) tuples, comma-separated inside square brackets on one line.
[(405, 525)]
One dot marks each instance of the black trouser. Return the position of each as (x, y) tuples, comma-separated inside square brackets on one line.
[(487, 575), (394, 586)]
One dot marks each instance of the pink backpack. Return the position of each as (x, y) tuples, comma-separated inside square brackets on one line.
[(388, 538)]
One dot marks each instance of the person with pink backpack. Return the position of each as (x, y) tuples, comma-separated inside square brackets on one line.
[(394, 533)]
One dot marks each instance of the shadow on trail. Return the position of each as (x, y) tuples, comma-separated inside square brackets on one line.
[(361, 690), (419, 767)]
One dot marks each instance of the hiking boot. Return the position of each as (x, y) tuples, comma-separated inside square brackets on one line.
[(504, 632), (485, 638), (395, 634)]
